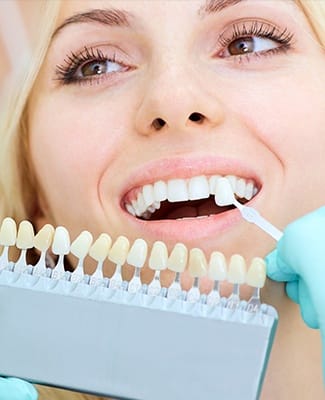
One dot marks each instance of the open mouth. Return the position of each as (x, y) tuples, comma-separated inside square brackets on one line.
[(184, 198)]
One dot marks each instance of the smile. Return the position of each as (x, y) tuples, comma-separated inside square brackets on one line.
[(184, 198)]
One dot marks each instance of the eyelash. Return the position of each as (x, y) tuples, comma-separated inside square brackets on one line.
[(66, 73), (249, 29)]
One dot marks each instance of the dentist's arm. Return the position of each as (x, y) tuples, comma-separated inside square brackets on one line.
[(299, 260), (16, 389)]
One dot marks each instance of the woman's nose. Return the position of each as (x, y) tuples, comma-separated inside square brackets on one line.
[(177, 102)]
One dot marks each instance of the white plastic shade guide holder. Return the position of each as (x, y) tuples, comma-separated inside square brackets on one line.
[(112, 365)]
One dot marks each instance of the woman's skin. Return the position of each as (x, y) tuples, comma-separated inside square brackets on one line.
[(262, 117)]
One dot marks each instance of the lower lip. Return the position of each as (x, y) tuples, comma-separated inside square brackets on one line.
[(190, 228)]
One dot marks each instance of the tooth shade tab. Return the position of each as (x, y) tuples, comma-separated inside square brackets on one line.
[(158, 257), (81, 245), (237, 269), (44, 237), (8, 232), (136, 256), (100, 248), (177, 260), (224, 195), (25, 236), (138, 253), (217, 267), (61, 241), (197, 263), (256, 274), (119, 250), (60, 247)]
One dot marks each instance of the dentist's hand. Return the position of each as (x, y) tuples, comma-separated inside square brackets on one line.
[(299, 260), (16, 389)]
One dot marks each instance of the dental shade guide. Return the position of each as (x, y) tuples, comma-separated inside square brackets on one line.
[(248, 213), (117, 324)]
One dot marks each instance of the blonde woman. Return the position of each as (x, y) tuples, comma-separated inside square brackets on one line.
[(123, 94)]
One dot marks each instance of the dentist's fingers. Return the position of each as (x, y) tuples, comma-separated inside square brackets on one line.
[(278, 270), (292, 290)]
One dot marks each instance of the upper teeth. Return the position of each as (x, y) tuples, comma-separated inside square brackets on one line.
[(149, 197)]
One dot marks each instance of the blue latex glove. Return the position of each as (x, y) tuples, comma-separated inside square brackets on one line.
[(299, 260), (16, 389)]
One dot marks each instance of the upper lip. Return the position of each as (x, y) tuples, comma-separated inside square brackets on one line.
[(187, 167)]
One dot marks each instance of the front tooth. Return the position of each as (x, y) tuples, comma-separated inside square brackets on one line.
[(237, 269), (198, 188), (158, 257), (61, 241), (197, 263), (138, 253), (148, 197), (100, 248), (177, 190), (160, 191), (178, 258), (43, 238), (212, 183), (240, 188), (119, 250), (217, 267), (256, 274), (25, 236), (8, 232), (80, 246)]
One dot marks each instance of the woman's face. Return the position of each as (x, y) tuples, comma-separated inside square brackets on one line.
[(134, 95)]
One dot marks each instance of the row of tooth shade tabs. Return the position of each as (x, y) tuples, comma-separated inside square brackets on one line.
[(122, 252)]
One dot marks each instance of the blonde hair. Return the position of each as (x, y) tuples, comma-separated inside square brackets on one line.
[(18, 190)]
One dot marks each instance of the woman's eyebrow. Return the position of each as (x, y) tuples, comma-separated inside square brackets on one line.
[(107, 16), (213, 6)]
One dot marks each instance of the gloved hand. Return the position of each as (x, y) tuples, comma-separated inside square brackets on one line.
[(299, 260), (16, 389)]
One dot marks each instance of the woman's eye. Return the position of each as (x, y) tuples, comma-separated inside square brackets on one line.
[(253, 38), (97, 67), (90, 66), (246, 45)]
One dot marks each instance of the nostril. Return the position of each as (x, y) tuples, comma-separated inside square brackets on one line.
[(196, 117), (158, 123)]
